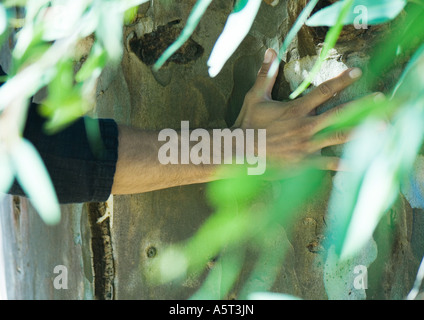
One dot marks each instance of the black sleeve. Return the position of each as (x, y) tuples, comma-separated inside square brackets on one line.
[(79, 173)]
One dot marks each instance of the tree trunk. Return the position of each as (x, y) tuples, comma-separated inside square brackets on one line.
[(113, 259)]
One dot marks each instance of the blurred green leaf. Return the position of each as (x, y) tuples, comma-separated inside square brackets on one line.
[(412, 295), (377, 12), (72, 109), (329, 43), (61, 18), (407, 34), (379, 161), (342, 278), (222, 276), (14, 3), (240, 4), (94, 64), (271, 296), (240, 189), (29, 49), (192, 21), (109, 30), (357, 112), (94, 136), (35, 181), (130, 15), (3, 19), (222, 229), (235, 30), (413, 69), (272, 246), (235, 223), (290, 36), (124, 5), (295, 190), (6, 172), (65, 102)]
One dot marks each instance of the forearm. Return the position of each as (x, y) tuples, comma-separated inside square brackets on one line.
[(139, 169)]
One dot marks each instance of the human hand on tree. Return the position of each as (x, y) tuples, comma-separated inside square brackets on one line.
[(292, 126)]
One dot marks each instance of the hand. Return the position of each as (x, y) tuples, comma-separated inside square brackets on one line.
[(291, 126)]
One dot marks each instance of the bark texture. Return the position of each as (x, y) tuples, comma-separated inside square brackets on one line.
[(113, 258)]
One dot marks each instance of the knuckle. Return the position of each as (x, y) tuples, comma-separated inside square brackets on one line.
[(340, 136), (303, 148), (292, 111), (263, 71), (325, 90), (308, 127)]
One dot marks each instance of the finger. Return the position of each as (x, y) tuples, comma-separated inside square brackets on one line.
[(328, 163), (281, 171), (324, 140), (326, 90), (334, 115), (263, 84)]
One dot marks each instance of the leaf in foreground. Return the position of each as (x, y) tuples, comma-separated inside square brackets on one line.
[(6, 172), (375, 12), (235, 30), (35, 181)]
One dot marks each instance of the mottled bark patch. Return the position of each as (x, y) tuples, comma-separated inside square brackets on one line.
[(150, 46)]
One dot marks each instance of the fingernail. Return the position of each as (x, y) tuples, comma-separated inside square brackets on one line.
[(268, 56), (355, 73)]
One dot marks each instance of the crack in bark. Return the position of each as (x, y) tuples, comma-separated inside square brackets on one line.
[(102, 259)]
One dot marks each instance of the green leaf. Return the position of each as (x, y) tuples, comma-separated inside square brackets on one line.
[(329, 43), (272, 250), (6, 172), (65, 102), (378, 162), (356, 112), (409, 34), (34, 179), (235, 30), (290, 36), (271, 296), (3, 19), (62, 18), (15, 3), (72, 108), (240, 4), (342, 278), (109, 30), (222, 277), (29, 48), (240, 189), (124, 5), (94, 64), (192, 21), (235, 224), (374, 12), (130, 15), (403, 86)]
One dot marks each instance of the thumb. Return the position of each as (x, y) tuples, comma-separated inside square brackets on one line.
[(263, 84)]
